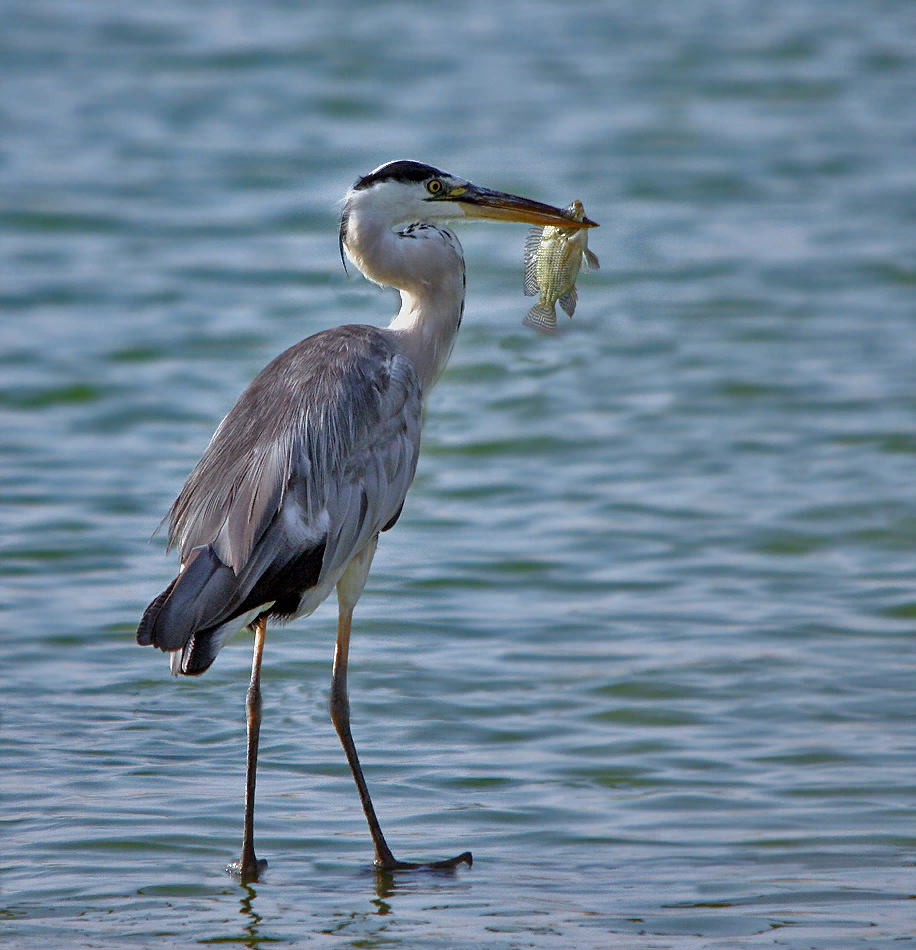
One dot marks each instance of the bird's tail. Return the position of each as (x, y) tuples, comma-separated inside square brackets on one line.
[(184, 619)]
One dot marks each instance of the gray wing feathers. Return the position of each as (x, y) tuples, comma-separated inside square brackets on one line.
[(324, 413), (258, 495), (235, 490), (370, 484), (310, 464)]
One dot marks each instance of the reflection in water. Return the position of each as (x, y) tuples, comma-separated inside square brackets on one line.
[(252, 938), (384, 885), (386, 882), (383, 908)]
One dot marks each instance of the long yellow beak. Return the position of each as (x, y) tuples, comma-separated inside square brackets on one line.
[(483, 203)]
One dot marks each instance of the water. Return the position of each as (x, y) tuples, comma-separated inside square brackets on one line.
[(643, 637)]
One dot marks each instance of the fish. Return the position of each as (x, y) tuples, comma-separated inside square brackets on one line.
[(553, 259)]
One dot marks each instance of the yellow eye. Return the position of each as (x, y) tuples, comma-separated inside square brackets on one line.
[(434, 187)]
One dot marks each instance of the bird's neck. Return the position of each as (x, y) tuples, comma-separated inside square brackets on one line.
[(427, 324), (426, 264)]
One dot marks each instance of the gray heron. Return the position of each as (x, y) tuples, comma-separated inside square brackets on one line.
[(316, 457)]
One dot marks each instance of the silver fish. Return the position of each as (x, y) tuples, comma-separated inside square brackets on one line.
[(553, 258)]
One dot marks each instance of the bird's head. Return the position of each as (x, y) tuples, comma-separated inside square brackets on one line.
[(404, 192)]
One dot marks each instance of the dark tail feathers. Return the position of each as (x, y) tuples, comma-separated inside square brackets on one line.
[(192, 607)]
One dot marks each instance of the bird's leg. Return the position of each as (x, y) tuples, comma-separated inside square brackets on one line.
[(248, 868), (340, 716)]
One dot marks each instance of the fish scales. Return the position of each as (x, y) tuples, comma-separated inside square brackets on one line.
[(553, 258)]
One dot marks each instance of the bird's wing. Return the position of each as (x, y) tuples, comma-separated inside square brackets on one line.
[(337, 413), (314, 460), (370, 448), (311, 463)]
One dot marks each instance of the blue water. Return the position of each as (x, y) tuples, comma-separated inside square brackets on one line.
[(643, 637)]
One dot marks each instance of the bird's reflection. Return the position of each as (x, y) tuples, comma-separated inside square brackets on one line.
[(388, 883), (252, 938), (385, 886)]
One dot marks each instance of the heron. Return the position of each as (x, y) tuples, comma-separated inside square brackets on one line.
[(315, 459)]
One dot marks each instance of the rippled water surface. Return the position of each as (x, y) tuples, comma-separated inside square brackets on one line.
[(643, 637)]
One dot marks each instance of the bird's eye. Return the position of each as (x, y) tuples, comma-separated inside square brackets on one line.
[(434, 187)]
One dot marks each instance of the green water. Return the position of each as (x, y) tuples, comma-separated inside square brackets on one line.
[(643, 637)]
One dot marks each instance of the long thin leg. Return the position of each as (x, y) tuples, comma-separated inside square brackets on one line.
[(348, 591), (248, 867), (340, 716)]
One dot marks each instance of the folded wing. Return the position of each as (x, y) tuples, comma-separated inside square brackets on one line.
[(311, 463)]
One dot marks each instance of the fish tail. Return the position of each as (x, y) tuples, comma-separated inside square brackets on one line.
[(542, 318)]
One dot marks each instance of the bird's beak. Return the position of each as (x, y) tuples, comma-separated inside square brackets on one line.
[(497, 205)]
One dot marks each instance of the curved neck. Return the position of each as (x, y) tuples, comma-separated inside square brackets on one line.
[(426, 327), (425, 262)]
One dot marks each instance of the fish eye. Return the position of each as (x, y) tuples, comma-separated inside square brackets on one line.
[(434, 187)]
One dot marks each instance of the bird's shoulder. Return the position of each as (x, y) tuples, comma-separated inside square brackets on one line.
[(335, 393), (325, 366)]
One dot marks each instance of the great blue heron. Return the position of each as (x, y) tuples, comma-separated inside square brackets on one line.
[(316, 457)]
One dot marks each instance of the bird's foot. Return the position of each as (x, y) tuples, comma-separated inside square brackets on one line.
[(247, 870), (393, 864)]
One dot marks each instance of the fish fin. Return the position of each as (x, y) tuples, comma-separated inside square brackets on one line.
[(532, 245), (590, 260), (568, 301), (541, 318)]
